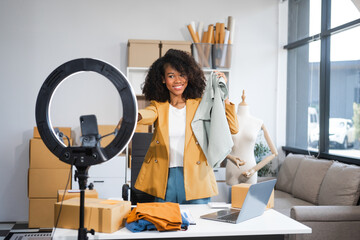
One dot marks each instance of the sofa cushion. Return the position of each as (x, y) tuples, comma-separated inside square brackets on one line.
[(287, 172), (285, 201), (309, 177), (341, 185)]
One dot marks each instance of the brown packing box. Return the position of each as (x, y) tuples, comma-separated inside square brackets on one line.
[(41, 212), (76, 194), (65, 130), (142, 53), (142, 102), (180, 45), (99, 214), (41, 157), (143, 128), (44, 183), (104, 130), (238, 194)]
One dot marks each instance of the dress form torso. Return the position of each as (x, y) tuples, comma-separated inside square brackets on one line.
[(244, 144)]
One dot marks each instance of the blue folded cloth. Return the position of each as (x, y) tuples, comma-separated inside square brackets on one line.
[(142, 225)]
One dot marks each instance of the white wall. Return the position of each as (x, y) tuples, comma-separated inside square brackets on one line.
[(39, 35)]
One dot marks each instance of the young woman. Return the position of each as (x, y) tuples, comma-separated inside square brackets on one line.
[(175, 168)]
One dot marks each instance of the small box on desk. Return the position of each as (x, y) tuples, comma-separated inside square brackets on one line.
[(238, 194), (76, 194), (99, 214)]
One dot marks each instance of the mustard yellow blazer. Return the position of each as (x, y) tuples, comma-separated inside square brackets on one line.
[(199, 179)]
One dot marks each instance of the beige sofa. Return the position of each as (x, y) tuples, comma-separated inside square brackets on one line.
[(322, 194)]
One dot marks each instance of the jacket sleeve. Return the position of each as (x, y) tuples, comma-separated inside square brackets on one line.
[(149, 114), (232, 118)]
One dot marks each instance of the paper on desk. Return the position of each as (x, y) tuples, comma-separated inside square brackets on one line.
[(218, 205), (186, 213)]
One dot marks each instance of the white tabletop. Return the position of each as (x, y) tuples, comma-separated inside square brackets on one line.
[(270, 223)]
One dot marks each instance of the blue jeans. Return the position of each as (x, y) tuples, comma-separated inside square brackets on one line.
[(175, 191)]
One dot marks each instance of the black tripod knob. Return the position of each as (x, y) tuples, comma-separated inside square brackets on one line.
[(91, 231)]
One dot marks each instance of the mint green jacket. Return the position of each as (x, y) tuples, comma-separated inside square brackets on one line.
[(210, 125)]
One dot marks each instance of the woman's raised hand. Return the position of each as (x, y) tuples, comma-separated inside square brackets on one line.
[(221, 74)]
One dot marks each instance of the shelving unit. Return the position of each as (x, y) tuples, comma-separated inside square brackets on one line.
[(136, 76)]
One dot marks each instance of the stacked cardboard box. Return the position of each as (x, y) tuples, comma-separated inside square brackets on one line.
[(46, 175)]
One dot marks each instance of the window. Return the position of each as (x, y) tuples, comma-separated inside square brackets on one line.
[(324, 78)]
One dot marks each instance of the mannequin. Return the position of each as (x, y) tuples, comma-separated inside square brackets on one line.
[(244, 170)]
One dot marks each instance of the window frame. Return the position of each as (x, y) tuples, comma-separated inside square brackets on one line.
[(324, 82)]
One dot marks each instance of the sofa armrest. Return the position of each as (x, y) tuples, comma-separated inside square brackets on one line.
[(325, 213), (328, 222)]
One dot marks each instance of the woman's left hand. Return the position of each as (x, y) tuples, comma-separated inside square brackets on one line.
[(220, 74)]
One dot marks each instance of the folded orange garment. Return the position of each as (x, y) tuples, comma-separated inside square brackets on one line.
[(165, 216)]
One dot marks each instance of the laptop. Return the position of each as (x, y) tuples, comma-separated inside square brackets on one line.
[(254, 204)]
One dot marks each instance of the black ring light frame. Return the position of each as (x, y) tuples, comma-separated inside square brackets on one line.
[(85, 156), (80, 156)]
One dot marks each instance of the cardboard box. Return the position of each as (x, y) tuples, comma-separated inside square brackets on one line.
[(65, 130), (44, 183), (75, 193), (142, 103), (40, 156), (180, 45), (143, 128), (99, 214), (41, 212), (104, 130), (238, 194), (142, 53)]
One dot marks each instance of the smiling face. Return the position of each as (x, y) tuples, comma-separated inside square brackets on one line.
[(175, 81)]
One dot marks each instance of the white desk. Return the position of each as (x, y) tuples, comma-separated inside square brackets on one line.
[(271, 224)]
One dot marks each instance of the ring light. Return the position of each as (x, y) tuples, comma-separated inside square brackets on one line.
[(86, 156)]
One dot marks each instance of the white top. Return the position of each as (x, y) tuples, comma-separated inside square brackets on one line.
[(270, 223), (177, 122)]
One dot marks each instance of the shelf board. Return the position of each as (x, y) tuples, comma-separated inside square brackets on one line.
[(138, 68), (204, 69), (224, 70)]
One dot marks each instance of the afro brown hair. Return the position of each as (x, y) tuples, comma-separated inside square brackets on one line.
[(184, 63)]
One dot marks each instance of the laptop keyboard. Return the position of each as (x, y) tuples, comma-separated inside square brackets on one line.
[(231, 217)]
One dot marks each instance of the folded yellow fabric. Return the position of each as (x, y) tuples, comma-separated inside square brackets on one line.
[(165, 216)]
